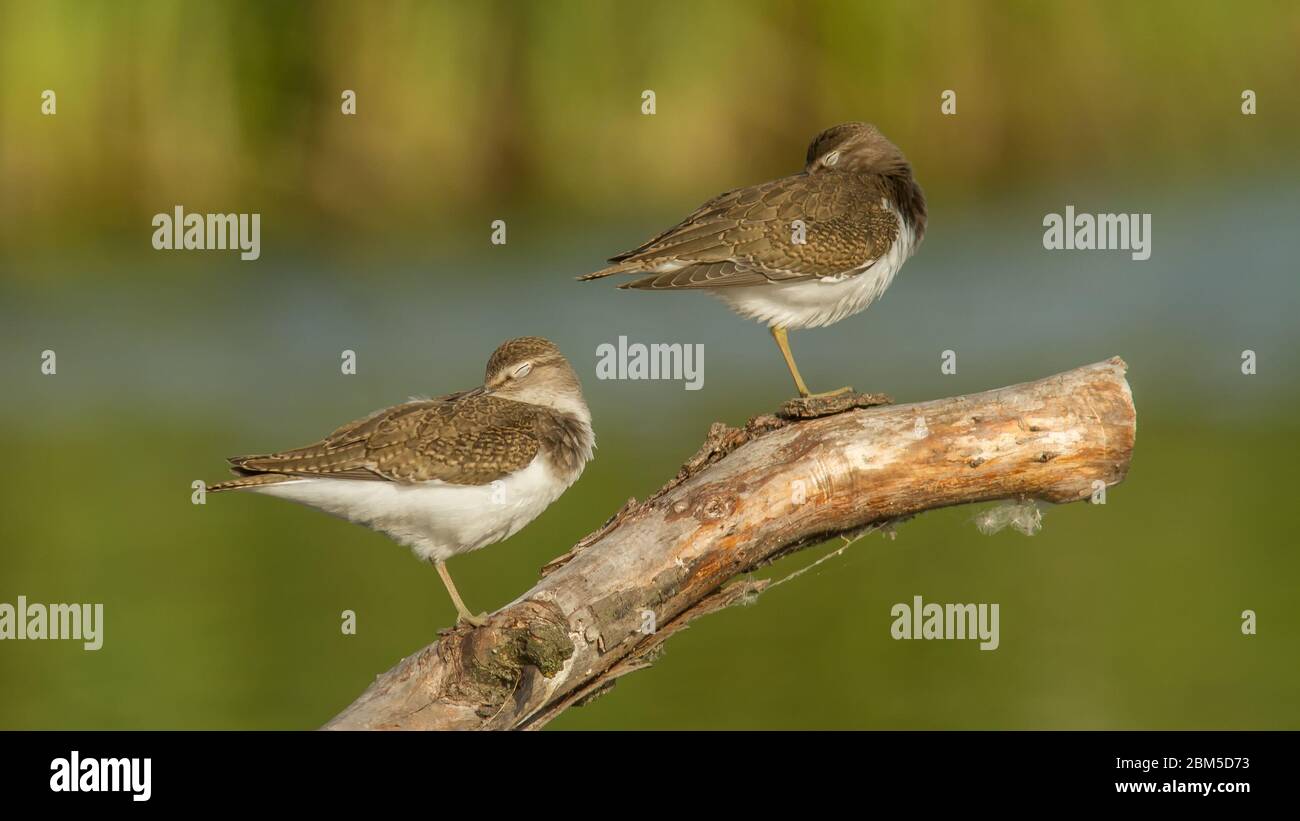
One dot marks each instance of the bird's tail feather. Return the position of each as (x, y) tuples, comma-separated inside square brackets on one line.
[(616, 268), (252, 481)]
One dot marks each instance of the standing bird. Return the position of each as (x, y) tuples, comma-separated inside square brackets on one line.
[(449, 475), (803, 251)]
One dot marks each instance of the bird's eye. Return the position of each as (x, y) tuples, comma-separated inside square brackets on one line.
[(831, 158), (522, 371)]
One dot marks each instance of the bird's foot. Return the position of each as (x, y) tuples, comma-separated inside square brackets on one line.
[(469, 618), (836, 392), (830, 403)]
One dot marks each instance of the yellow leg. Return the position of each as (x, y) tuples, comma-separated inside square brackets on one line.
[(783, 342), (461, 609)]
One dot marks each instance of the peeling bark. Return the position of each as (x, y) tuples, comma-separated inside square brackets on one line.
[(748, 496)]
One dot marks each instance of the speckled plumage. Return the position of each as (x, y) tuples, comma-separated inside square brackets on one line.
[(466, 438), (462, 439), (853, 210), (744, 237)]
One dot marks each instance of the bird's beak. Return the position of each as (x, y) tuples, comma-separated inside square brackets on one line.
[(481, 390)]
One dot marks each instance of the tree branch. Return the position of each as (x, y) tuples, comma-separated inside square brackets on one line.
[(749, 496)]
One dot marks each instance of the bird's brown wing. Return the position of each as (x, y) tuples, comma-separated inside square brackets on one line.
[(747, 236), (471, 439)]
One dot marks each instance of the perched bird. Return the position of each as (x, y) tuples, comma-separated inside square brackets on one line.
[(803, 251), (449, 475)]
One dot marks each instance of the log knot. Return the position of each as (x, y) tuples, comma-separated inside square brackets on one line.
[(493, 658)]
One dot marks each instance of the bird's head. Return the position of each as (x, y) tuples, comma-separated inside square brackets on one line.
[(532, 369), (854, 147)]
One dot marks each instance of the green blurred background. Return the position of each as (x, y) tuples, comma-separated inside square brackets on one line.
[(375, 238)]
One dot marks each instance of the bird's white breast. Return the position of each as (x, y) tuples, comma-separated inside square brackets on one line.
[(435, 519), (814, 303)]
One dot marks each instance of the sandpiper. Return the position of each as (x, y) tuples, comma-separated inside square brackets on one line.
[(449, 475), (803, 251)]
